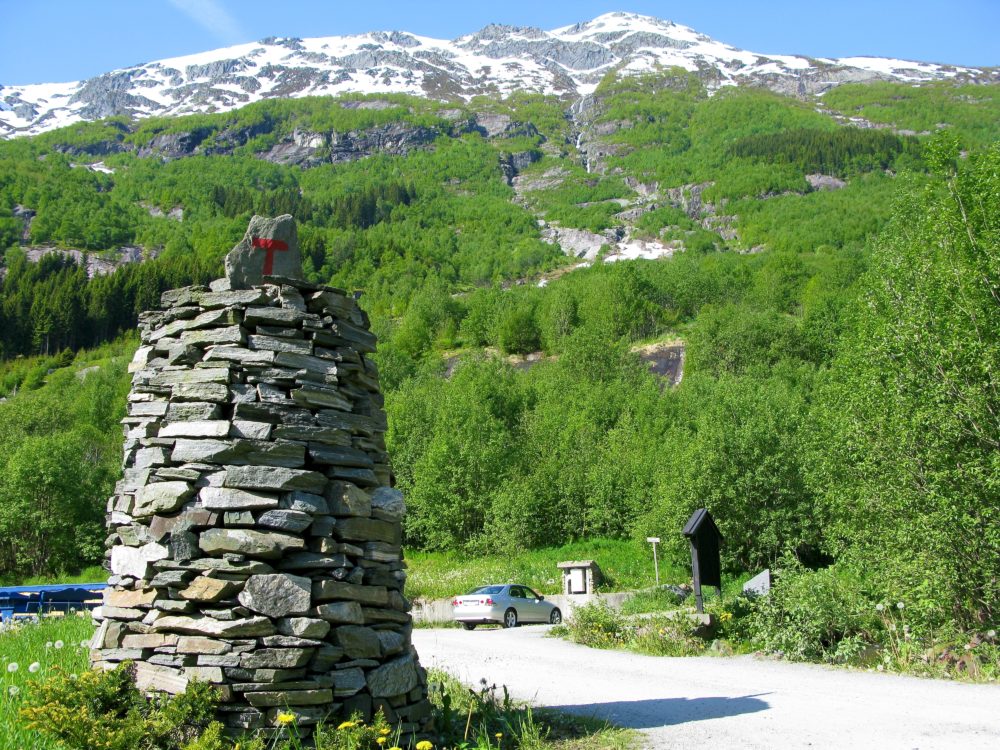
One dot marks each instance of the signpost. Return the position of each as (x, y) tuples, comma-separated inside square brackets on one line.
[(706, 568), (654, 540)]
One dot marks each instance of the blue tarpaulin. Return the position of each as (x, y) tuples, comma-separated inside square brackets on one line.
[(32, 600)]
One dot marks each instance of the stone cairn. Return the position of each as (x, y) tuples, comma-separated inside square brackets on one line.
[(254, 540)]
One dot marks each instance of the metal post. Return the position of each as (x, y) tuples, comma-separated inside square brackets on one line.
[(699, 601), (656, 563)]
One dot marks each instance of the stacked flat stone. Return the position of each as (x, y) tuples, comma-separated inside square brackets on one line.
[(254, 539)]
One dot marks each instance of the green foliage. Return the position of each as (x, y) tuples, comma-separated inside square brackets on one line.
[(906, 459), (666, 635), (835, 615), (970, 110), (806, 420), (259, 125), (598, 626), (837, 152), (735, 339), (587, 444), (452, 442), (518, 332), (738, 454), (662, 599), (625, 565), (578, 198), (59, 458), (352, 734), (479, 716), (845, 218), (821, 615), (677, 135), (105, 709), (529, 112), (388, 224), (56, 645), (51, 305)]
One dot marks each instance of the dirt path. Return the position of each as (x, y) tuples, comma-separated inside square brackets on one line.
[(737, 702)]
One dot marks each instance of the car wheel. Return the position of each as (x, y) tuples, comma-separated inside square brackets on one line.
[(469, 625), (510, 618), (556, 617)]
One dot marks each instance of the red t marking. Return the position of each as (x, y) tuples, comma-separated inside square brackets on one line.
[(269, 246)]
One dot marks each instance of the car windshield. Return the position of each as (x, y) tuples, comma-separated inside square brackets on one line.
[(487, 590)]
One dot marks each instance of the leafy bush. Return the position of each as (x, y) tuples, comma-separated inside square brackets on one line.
[(518, 333), (905, 461), (817, 615), (105, 709), (596, 624), (667, 636)]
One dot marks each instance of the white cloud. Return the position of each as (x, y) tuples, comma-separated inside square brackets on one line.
[(214, 17)]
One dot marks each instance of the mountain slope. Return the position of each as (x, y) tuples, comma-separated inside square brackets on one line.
[(569, 62)]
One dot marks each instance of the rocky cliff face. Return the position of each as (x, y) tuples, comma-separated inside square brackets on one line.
[(569, 62), (308, 148)]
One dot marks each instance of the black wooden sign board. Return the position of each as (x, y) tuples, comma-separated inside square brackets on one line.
[(706, 567)]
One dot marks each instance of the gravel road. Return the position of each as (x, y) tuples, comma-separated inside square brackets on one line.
[(723, 702)]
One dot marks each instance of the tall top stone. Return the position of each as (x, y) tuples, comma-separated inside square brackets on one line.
[(270, 247)]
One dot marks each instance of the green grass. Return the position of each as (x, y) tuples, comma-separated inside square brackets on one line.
[(55, 642), (475, 716), (626, 565), (91, 574), (486, 718), (652, 600)]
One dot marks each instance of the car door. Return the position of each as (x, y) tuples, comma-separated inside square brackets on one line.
[(527, 607), (539, 610), (519, 601)]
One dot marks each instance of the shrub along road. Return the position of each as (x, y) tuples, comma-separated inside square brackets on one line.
[(721, 701)]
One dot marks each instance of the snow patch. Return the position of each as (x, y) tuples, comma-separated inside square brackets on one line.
[(640, 250), (516, 60)]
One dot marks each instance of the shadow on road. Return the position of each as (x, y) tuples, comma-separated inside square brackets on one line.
[(665, 712)]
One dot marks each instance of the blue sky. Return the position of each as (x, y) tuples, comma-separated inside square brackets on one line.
[(64, 40)]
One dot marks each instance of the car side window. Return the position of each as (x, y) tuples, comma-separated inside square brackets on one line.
[(517, 592)]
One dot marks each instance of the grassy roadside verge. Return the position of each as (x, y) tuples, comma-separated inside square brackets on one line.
[(779, 625), (466, 718), (626, 565), (486, 718), (30, 652)]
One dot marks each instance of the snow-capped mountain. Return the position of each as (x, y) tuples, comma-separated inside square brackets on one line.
[(568, 61)]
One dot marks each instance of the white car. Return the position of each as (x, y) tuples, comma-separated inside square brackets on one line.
[(509, 604)]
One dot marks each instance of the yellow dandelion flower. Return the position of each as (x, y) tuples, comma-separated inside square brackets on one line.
[(383, 731), (395, 747), (347, 725), (425, 745), (285, 718), (498, 735), (380, 740)]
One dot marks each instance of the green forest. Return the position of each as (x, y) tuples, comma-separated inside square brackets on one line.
[(839, 408)]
